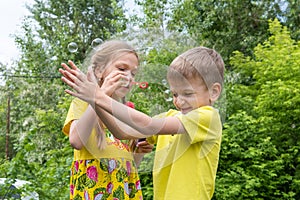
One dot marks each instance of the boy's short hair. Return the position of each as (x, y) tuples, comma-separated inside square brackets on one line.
[(200, 62)]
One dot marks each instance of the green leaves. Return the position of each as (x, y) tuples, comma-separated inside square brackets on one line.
[(260, 148)]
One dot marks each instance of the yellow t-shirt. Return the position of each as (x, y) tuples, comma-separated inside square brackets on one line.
[(185, 165), (101, 174), (91, 150)]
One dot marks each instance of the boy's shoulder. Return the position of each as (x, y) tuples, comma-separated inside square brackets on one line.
[(173, 112), (169, 113)]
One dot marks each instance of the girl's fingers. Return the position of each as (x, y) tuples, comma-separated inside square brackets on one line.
[(110, 80), (116, 75), (145, 145)]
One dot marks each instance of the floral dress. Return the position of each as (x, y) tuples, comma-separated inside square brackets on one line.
[(96, 174)]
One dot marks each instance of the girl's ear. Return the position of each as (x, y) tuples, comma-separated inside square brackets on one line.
[(215, 92)]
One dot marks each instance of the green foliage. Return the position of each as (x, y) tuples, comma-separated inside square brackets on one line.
[(260, 145), (291, 17), (260, 148), (145, 174), (230, 25)]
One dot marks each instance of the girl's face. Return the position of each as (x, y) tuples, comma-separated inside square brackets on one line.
[(127, 63), (189, 94)]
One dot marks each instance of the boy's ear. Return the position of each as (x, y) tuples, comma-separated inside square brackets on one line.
[(215, 91)]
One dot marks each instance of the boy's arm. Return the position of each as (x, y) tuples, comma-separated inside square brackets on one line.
[(135, 119), (96, 97), (119, 129)]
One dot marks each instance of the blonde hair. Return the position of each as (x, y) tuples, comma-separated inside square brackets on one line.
[(101, 58), (200, 62)]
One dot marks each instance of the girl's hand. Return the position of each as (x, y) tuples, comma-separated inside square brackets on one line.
[(143, 147), (112, 82)]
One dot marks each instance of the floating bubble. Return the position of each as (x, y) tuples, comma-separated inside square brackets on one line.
[(169, 99), (164, 82), (72, 47), (96, 42)]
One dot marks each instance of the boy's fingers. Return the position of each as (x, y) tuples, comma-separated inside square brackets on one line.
[(63, 72), (71, 63), (68, 82), (66, 67), (73, 70)]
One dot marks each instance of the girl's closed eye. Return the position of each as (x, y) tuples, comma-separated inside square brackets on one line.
[(121, 68), (188, 94)]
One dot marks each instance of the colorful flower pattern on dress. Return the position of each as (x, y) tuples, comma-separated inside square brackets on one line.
[(92, 173), (105, 178)]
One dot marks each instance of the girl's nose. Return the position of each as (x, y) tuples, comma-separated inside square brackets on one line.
[(129, 77)]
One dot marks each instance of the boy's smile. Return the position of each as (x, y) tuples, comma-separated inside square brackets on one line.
[(189, 94)]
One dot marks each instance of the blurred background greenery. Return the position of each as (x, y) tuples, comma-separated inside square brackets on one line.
[(260, 106)]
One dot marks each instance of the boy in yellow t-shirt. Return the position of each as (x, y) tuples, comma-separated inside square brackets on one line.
[(188, 139)]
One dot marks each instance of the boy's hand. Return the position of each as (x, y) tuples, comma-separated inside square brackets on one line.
[(87, 85), (84, 85)]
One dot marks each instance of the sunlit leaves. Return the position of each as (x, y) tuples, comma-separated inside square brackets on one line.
[(260, 149)]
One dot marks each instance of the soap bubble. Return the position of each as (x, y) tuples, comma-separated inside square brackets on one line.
[(164, 82), (72, 47), (96, 42)]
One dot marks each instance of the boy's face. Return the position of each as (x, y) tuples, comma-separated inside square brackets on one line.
[(189, 94)]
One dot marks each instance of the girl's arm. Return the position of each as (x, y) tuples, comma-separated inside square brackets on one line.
[(96, 97), (81, 129), (142, 148)]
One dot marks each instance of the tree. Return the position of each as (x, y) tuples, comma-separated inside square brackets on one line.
[(231, 25), (260, 145), (291, 17)]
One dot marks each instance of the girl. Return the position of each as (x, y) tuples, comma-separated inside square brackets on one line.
[(103, 165)]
